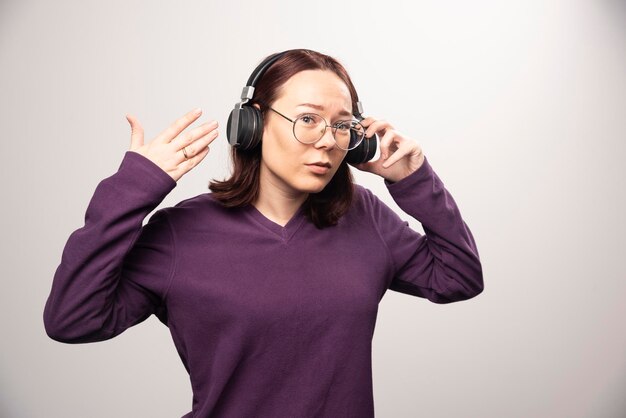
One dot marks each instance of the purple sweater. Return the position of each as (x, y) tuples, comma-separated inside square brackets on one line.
[(269, 321)]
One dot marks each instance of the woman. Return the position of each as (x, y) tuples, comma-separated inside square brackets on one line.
[(269, 284)]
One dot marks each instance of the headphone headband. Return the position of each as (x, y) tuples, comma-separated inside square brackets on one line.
[(248, 91), (263, 66)]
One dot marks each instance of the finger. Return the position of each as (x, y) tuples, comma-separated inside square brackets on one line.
[(385, 144), (196, 139), (177, 127), (186, 165), (367, 121), (379, 125), (136, 132), (188, 137), (396, 156)]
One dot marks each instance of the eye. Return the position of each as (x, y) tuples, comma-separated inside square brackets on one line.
[(309, 119), (343, 125)]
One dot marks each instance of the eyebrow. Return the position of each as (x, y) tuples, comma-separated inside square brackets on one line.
[(318, 107)]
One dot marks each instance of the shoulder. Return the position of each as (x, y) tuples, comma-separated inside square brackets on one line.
[(363, 203), (364, 198), (368, 204)]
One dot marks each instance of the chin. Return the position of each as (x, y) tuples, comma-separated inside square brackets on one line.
[(313, 186), (312, 189)]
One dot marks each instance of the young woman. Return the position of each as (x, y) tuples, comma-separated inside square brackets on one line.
[(270, 283)]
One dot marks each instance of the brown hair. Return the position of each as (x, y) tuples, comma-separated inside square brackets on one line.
[(323, 208)]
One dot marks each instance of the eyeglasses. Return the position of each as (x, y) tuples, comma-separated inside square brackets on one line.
[(311, 127)]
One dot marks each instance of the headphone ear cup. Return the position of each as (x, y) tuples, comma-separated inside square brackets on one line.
[(256, 132), (363, 152), (229, 127), (250, 129)]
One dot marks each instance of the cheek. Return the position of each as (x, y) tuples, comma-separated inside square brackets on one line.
[(281, 153)]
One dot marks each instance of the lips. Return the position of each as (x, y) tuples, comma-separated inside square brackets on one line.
[(318, 168), (321, 164)]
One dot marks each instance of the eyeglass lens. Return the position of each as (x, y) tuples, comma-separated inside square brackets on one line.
[(311, 127)]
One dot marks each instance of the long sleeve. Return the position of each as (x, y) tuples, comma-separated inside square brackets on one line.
[(114, 273), (443, 265)]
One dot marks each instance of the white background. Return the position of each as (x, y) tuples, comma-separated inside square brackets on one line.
[(520, 107)]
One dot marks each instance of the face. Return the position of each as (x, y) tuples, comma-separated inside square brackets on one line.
[(284, 161)]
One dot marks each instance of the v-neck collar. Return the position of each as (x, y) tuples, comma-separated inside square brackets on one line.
[(283, 232)]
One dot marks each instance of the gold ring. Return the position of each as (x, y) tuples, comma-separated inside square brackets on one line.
[(185, 153)]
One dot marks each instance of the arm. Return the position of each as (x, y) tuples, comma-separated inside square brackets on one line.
[(114, 273), (443, 265)]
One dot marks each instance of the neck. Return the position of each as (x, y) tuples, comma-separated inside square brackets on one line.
[(276, 200)]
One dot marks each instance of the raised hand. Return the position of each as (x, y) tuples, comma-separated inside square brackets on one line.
[(174, 151), (399, 154)]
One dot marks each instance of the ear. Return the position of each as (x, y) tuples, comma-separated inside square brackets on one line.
[(257, 106)]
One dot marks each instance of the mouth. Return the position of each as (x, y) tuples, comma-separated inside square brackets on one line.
[(321, 164), (319, 168)]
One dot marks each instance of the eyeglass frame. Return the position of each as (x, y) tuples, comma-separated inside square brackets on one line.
[(325, 127)]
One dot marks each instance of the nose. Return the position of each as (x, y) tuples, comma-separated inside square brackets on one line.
[(327, 140)]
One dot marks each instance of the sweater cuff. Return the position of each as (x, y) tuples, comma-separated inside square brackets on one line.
[(152, 177), (425, 171)]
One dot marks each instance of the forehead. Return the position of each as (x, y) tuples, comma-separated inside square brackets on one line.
[(321, 87)]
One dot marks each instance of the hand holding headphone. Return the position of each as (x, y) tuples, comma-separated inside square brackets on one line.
[(399, 154)]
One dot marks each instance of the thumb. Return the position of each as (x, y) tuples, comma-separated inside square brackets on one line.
[(136, 132), (369, 166)]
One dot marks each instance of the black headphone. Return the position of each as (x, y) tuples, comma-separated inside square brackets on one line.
[(246, 121)]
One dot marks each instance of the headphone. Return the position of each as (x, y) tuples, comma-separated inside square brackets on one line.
[(246, 121)]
